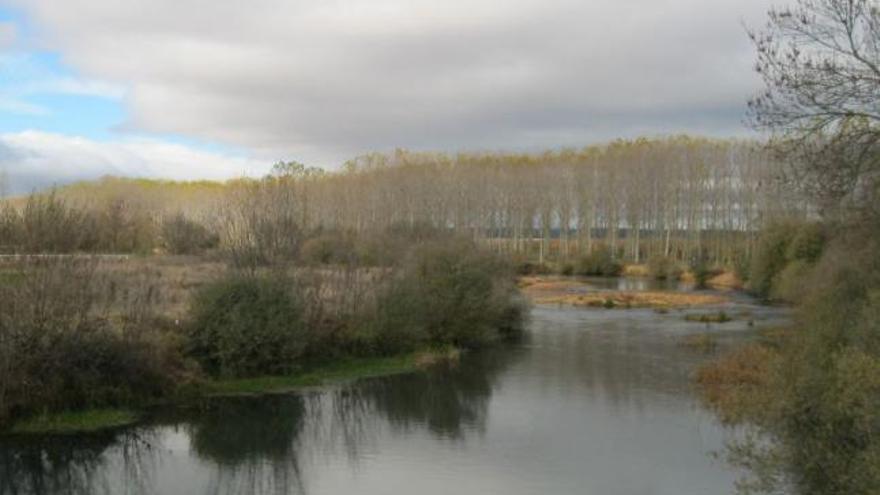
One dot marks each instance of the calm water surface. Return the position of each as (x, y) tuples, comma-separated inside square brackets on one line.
[(595, 402)]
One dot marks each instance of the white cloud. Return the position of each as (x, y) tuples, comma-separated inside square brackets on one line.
[(35, 159), (320, 80)]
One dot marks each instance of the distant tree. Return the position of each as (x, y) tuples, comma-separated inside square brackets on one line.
[(820, 61), (294, 169)]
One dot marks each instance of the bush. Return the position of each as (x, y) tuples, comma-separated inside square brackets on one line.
[(566, 269), (788, 285), (180, 235), (663, 268), (449, 293), (599, 263), (807, 244), (817, 393), (532, 268), (702, 273), (247, 326), (780, 245), (67, 342), (769, 257)]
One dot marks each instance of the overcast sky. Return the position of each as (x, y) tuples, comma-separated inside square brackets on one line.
[(215, 89)]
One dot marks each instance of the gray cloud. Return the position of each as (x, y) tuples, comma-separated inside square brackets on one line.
[(323, 80)]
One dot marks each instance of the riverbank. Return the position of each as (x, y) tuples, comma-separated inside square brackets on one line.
[(607, 374), (347, 370)]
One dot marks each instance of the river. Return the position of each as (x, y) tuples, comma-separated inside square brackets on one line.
[(595, 401)]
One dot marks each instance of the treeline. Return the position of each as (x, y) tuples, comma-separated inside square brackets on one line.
[(678, 197), (681, 198)]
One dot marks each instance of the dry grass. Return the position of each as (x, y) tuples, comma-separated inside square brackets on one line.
[(734, 384), (547, 283), (726, 280), (621, 299), (633, 270), (173, 278)]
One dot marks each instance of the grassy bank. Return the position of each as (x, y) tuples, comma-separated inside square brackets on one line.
[(328, 374), (75, 422), (92, 420)]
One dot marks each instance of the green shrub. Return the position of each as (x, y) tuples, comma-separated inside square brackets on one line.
[(788, 285), (807, 244), (817, 391), (701, 272), (719, 317), (769, 257), (566, 269), (450, 293), (599, 263), (780, 245), (247, 326)]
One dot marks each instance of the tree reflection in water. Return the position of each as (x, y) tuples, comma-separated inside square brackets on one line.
[(82, 464), (253, 442), (256, 445), (449, 401)]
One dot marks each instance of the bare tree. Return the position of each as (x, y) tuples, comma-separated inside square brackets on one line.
[(820, 61)]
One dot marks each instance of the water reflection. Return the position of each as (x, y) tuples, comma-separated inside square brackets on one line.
[(634, 284), (253, 445), (86, 464), (597, 402), (448, 401)]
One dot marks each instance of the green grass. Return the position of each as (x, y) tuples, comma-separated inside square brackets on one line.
[(350, 369), (719, 317), (76, 422), (341, 371)]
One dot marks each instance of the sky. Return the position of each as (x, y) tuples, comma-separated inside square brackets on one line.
[(201, 89)]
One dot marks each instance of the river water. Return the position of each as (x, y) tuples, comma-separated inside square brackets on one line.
[(594, 401)]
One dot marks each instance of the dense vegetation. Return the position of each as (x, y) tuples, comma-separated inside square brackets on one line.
[(82, 332), (69, 338), (814, 389)]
